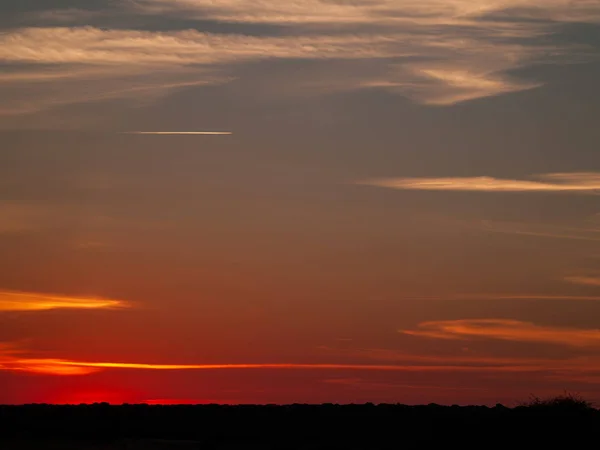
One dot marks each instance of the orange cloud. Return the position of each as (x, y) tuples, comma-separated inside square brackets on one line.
[(556, 182), (49, 366), (45, 367), (13, 360), (585, 280), (506, 330), (31, 301), (59, 364)]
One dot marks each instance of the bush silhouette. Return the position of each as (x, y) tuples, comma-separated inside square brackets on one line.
[(566, 403)]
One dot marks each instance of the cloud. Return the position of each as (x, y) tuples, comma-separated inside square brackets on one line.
[(61, 363), (31, 301), (464, 360), (583, 298), (88, 45), (426, 12), (578, 182), (434, 52), (506, 330), (44, 367), (543, 230), (584, 280), (12, 359), (19, 218), (359, 383), (450, 84), (15, 359), (505, 296), (463, 55), (32, 88), (58, 66)]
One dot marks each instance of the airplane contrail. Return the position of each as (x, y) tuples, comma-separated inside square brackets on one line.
[(205, 133)]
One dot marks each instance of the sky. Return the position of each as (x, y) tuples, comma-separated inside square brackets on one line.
[(299, 201)]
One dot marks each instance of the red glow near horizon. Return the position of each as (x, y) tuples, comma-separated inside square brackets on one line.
[(184, 401), (93, 395)]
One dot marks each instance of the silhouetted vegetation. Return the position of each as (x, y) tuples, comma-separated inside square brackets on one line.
[(566, 420), (566, 403)]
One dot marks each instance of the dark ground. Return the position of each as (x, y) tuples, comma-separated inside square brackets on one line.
[(368, 427)]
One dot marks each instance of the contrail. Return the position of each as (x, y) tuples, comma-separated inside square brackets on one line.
[(189, 133)]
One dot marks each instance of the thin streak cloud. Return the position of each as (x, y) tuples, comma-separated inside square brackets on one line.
[(31, 301), (506, 330), (13, 359), (584, 280), (578, 182), (545, 231), (67, 367), (500, 296)]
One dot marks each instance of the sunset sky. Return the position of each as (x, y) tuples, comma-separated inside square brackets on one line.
[(279, 201)]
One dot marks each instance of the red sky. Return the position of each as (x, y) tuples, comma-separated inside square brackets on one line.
[(276, 202)]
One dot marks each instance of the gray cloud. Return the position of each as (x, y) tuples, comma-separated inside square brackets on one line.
[(434, 52)]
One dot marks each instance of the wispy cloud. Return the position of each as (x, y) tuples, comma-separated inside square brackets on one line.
[(59, 66), (12, 358), (582, 298), (32, 88), (579, 182), (48, 364), (584, 280), (18, 217), (543, 230), (397, 357), (361, 384), (426, 12), (575, 369), (435, 52), (16, 359), (128, 47), (506, 296), (32, 301), (506, 330)]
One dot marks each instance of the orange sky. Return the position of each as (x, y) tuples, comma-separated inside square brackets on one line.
[(275, 202)]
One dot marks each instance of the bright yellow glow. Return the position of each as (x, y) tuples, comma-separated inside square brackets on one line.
[(31, 301)]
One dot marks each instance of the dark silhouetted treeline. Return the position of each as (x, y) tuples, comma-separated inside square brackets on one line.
[(296, 426)]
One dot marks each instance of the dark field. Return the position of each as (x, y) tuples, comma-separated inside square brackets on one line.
[(104, 427)]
